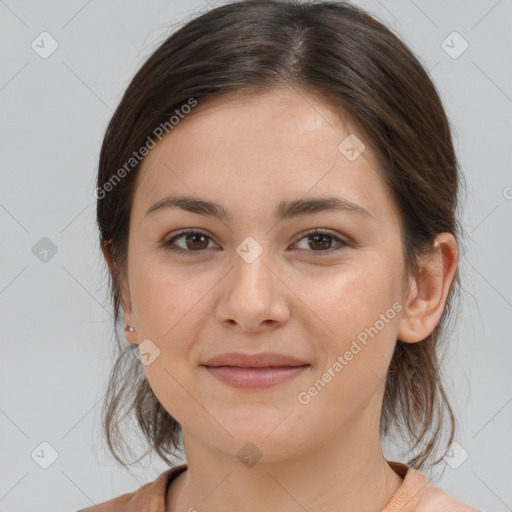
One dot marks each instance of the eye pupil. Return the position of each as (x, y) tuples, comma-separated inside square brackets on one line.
[(318, 238), (192, 236)]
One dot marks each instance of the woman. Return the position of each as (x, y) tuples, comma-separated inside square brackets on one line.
[(277, 196)]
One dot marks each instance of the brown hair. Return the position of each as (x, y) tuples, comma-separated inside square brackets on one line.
[(344, 55)]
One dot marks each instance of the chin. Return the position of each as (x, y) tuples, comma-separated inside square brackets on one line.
[(274, 434)]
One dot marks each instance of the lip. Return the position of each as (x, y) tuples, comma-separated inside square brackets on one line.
[(255, 378), (257, 371), (262, 359)]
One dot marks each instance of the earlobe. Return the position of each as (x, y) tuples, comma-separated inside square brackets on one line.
[(429, 290), (130, 332), (130, 329)]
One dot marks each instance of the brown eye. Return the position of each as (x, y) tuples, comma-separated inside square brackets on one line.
[(195, 241), (192, 241), (321, 242), (318, 242)]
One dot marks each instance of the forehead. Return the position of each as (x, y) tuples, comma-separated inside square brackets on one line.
[(251, 150)]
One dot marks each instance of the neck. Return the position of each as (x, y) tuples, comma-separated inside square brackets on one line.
[(347, 472)]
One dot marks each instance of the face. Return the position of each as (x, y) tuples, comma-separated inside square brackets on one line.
[(255, 281)]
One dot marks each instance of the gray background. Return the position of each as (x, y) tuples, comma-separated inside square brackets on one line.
[(56, 321)]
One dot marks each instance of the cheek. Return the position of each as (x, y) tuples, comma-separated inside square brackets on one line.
[(164, 299), (167, 304), (355, 314), (345, 300), (351, 372)]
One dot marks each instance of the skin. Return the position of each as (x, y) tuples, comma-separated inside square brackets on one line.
[(249, 152)]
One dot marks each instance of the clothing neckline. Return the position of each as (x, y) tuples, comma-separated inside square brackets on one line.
[(404, 499)]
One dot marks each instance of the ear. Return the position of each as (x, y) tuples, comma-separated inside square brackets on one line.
[(428, 293), (125, 300)]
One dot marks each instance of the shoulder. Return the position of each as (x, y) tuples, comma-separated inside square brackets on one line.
[(434, 499), (417, 494), (148, 498), (120, 503)]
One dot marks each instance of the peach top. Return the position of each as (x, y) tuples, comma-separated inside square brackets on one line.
[(416, 494)]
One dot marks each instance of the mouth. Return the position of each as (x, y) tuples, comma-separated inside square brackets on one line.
[(257, 371), (258, 360), (260, 377)]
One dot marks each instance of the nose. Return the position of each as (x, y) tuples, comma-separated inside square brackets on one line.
[(254, 296)]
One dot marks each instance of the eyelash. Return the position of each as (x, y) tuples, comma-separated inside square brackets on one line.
[(168, 244)]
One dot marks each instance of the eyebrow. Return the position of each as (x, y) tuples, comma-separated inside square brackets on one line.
[(284, 210)]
